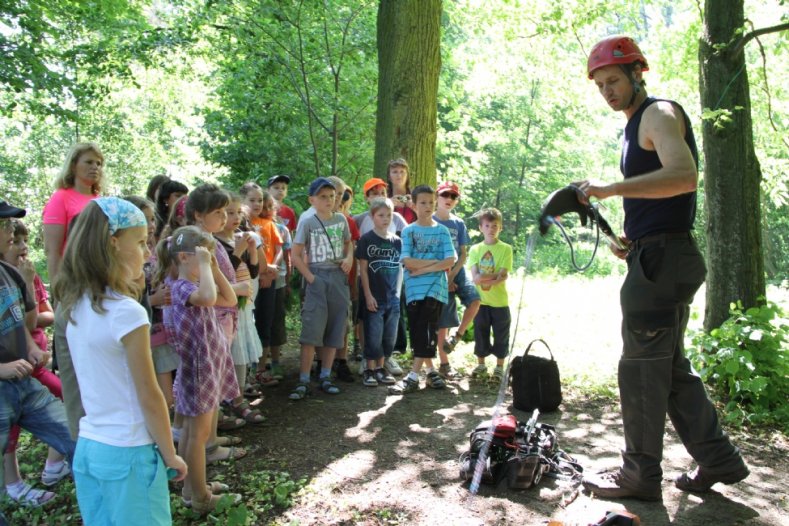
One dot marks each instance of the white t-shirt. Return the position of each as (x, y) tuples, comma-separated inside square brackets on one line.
[(113, 414)]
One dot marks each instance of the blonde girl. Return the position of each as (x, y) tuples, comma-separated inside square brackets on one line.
[(205, 376), (124, 439)]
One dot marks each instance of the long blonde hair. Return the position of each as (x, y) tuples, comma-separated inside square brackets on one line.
[(91, 265), (65, 178), (184, 239)]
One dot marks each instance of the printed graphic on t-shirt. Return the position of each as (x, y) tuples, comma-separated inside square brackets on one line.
[(322, 248), (386, 259), (487, 265)]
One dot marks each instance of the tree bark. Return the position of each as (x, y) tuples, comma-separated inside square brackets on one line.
[(732, 175), (409, 35)]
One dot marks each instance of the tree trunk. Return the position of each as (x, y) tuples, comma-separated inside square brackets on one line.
[(732, 175), (409, 34)]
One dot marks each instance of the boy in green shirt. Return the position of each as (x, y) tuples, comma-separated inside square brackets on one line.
[(491, 262)]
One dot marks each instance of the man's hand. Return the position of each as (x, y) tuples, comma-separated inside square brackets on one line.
[(619, 252), (15, 370), (588, 189)]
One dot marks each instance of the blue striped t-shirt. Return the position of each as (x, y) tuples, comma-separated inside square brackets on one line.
[(426, 242)]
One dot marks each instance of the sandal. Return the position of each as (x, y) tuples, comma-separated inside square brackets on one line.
[(33, 497), (216, 454), (205, 506), (242, 410), (250, 391), (300, 392), (229, 423), (435, 381), (328, 387), (227, 440), (215, 488)]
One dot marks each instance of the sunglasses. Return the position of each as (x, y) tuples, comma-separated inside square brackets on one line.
[(449, 196)]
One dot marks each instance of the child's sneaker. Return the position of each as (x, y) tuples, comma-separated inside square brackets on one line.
[(383, 377), (369, 379), (406, 385), (447, 371), (393, 367), (435, 380), (498, 373), (480, 371), (50, 478), (450, 343)]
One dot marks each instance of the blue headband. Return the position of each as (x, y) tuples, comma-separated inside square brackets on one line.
[(120, 213)]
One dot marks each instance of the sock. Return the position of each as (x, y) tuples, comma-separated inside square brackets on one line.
[(16, 489), (53, 467), (428, 370), (325, 373), (304, 378), (413, 376), (176, 431)]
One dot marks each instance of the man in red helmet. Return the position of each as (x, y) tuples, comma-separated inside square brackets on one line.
[(665, 269)]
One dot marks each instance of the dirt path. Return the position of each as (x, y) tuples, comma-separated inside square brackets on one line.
[(371, 458)]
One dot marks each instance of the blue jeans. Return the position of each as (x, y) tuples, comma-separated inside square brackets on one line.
[(121, 485), (380, 331), (28, 403)]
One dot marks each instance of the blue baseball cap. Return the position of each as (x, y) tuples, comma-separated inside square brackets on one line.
[(7, 211), (278, 179), (318, 184)]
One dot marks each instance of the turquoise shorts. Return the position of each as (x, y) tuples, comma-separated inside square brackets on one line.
[(121, 485)]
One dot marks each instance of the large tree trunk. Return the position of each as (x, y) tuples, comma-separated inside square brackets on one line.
[(732, 175), (409, 34)]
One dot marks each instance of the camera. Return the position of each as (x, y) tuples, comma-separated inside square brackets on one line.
[(402, 198)]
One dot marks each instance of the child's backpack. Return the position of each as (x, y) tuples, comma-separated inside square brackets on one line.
[(535, 381)]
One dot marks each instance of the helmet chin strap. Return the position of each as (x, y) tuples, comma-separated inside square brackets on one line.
[(628, 70)]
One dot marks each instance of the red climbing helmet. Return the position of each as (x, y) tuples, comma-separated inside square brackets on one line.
[(613, 50)]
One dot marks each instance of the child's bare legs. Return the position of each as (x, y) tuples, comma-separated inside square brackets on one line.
[(468, 316), (194, 438), (305, 364), (11, 468), (442, 336), (53, 457), (327, 358)]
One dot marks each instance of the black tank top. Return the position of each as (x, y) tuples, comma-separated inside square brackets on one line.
[(644, 217)]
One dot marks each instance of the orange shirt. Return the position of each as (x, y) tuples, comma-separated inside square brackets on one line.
[(270, 235)]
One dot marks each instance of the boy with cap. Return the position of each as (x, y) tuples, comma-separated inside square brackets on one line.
[(278, 188), (23, 400), (460, 285), (323, 254)]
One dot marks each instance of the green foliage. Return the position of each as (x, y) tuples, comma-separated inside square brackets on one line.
[(746, 360)]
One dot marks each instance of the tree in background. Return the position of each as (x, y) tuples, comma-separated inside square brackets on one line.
[(732, 175), (409, 62)]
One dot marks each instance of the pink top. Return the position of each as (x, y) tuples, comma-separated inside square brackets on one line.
[(63, 206), (38, 334)]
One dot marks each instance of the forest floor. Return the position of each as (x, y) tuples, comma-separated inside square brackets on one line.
[(372, 458), (369, 458)]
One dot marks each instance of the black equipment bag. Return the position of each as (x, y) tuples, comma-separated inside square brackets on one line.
[(535, 381)]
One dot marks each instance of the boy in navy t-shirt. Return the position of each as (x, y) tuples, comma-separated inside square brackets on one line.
[(378, 252)]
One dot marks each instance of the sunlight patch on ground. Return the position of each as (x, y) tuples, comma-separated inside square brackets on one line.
[(366, 418)]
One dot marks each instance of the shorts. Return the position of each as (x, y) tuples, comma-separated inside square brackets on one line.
[(324, 315), (165, 359), (423, 316), (121, 485), (468, 294)]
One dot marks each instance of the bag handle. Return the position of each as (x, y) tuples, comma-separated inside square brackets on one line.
[(528, 348)]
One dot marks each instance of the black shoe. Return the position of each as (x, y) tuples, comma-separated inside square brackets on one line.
[(698, 481), (613, 486), (343, 372)]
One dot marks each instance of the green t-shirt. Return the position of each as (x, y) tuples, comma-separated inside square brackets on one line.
[(490, 259)]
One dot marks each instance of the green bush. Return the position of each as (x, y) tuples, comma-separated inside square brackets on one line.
[(745, 362)]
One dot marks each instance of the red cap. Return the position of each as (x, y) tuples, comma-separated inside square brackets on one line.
[(372, 183), (448, 186)]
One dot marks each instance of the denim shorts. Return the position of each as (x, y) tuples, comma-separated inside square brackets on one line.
[(121, 485)]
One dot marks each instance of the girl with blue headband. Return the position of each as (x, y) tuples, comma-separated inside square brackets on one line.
[(125, 447)]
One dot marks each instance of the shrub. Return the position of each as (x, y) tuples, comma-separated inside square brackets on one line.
[(745, 362)]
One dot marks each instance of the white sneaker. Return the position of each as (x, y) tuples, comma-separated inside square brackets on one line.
[(393, 367)]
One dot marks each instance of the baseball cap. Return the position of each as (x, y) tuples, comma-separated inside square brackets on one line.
[(318, 184), (277, 179), (8, 211), (372, 183), (448, 186)]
